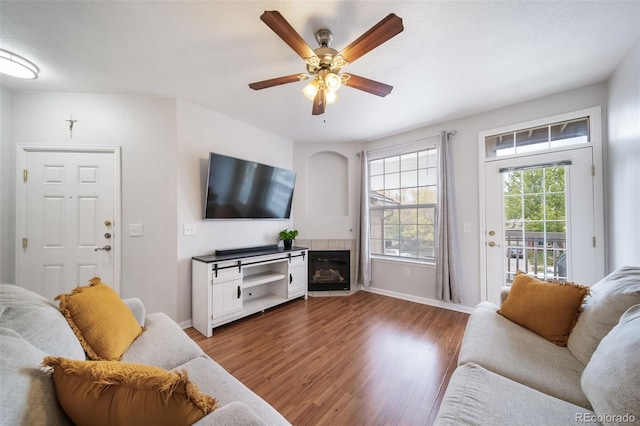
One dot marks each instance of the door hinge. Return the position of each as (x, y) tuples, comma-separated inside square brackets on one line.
[(25, 175), (593, 170), (24, 243), (594, 241)]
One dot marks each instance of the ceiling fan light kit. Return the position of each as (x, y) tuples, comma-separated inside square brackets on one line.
[(325, 80), (17, 66), (311, 89), (332, 81), (324, 64)]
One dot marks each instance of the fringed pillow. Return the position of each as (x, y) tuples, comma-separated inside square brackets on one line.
[(550, 309), (102, 322), (119, 393)]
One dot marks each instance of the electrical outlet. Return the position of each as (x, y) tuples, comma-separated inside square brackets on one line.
[(189, 229), (136, 230), (407, 272)]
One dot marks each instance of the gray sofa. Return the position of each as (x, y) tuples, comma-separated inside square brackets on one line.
[(507, 374), (31, 328)]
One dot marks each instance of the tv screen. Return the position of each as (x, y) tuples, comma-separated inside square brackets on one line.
[(240, 189)]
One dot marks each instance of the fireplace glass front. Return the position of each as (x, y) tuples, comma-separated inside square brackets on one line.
[(329, 270)]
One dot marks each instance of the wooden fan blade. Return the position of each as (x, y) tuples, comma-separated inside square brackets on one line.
[(378, 34), (274, 82), (285, 31), (369, 86), (318, 103)]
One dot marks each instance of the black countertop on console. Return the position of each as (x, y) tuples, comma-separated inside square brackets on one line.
[(245, 254)]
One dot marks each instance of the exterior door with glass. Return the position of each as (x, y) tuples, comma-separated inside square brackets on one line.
[(539, 219)]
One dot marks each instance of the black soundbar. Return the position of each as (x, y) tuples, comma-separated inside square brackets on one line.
[(246, 250)]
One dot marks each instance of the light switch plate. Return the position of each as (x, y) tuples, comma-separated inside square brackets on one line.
[(136, 230)]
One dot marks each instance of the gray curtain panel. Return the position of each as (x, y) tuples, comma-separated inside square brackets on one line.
[(447, 288), (363, 250)]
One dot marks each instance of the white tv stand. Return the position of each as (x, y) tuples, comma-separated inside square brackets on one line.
[(226, 287)]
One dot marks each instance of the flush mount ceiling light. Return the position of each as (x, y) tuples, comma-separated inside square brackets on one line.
[(17, 66)]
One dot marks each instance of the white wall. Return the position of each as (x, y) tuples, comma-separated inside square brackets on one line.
[(145, 128), (7, 188), (623, 162), (388, 277), (201, 131), (320, 225), (165, 144), (327, 188)]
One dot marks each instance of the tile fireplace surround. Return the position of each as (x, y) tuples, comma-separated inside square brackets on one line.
[(333, 244)]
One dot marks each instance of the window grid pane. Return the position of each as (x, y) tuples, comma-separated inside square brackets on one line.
[(535, 223), (403, 205), (550, 136)]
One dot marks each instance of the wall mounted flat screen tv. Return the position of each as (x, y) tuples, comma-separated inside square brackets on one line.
[(240, 189)]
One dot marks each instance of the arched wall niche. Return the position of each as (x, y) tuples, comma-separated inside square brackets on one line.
[(327, 184)]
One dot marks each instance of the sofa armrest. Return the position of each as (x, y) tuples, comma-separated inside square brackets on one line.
[(137, 307), (504, 292), (234, 413)]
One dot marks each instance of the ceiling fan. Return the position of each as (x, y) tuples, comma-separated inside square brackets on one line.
[(325, 63)]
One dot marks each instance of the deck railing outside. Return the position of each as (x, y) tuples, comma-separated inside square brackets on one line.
[(536, 253)]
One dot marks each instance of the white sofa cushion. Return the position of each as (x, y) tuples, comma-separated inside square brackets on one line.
[(612, 377), (27, 394), (38, 321), (609, 299), (215, 381), (137, 309), (234, 413), (504, 347), (476, 396), (163, 344)]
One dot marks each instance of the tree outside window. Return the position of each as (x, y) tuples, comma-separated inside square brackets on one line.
[(403, 205), (536, 219)]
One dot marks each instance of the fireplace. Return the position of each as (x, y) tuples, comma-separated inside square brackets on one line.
[(329, 270)]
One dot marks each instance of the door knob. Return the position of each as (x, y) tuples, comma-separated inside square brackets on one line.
[(492, 244), (105, 248)]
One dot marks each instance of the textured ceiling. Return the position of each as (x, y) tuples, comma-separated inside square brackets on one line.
[(452, 60)]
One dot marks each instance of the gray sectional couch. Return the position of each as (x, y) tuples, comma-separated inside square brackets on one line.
[(508, 375), (31, 328)]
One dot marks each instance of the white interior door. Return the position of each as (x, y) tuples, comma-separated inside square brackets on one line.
[(68, 204), (539, 218)]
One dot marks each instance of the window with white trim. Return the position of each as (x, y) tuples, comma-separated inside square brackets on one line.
[(402, 204), (540, 138)]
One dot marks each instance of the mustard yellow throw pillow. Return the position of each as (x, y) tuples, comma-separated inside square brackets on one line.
[(102, 322), (120, 393), (550, 309)]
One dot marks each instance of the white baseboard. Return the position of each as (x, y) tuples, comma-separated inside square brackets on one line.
[(423, 300)]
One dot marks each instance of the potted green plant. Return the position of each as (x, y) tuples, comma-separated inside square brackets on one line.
[(287, 236)]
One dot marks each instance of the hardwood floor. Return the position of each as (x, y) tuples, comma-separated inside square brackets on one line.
[(363, 359)]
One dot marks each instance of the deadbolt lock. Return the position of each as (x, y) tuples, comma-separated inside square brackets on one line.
[(107, 222), (107, 235), (492, 233)]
